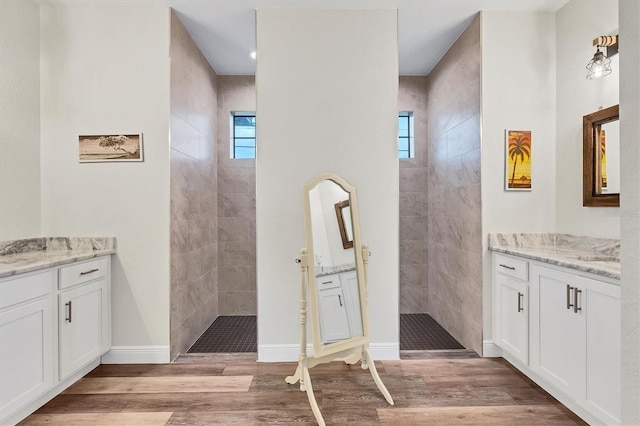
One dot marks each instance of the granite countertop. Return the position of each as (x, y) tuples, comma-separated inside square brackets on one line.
[(328, 270), (20, 256), (599, 256)]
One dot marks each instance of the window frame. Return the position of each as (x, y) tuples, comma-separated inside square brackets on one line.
[(410, 151), (234, 138)]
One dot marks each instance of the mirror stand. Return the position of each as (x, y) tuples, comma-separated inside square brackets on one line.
[(350, 355)]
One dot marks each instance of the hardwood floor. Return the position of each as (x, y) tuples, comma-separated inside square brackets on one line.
[(236, 390)]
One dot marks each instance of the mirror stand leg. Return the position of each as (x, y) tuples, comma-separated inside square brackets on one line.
[(376, 377), (312, 397), (296, 377)]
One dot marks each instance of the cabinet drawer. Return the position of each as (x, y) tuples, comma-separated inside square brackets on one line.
[(18, 290), (516, 268), (328, 281), (83, 272)]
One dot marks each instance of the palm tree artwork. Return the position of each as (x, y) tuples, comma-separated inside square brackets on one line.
[(519, 159)]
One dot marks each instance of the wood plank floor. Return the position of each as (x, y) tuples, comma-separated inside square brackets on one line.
[(444, 389)]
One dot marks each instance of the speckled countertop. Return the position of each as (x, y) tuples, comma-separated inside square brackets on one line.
[(599, 256), (328, 270), (20, 256)]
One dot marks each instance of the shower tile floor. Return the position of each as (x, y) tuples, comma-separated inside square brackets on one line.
[(231, 334), (420, 332)]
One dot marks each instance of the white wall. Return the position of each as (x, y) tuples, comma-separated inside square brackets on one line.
[(630, 209), (105, 69), (327, 89), (19, 120), (518, 86), (578, 23)]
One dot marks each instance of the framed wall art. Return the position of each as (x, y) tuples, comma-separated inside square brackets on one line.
[(518, 160), (108, 148)]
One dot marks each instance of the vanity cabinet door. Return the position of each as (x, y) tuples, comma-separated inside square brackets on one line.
[(557, 332), (513, 317), (26, 340), (83, 332), (334, 324), (601, 311), (352, 301)]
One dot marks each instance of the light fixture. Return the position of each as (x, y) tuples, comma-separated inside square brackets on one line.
[(600, 64), (253, 55)]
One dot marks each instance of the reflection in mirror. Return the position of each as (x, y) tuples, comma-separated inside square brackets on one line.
[(601, 158), (343, 215), (336, 278)]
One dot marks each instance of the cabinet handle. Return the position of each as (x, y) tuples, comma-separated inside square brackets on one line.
[(68, 306), (90, 271), (576, 292), (327, 282), (569, 304), (340, 300), (520, 296), (508, 267)]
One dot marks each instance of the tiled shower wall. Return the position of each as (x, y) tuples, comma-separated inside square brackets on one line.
[(412, 96), (454, 205), (236, 204), (194, 234)]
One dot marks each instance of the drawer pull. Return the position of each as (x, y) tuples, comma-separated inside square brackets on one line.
[(520, 296), (327, 282), (90, 271), (576, 292), (68, 316), (508, 267), (569, 304), (340, 300)]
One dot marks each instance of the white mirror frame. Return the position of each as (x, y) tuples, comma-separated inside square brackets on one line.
[(320, 350)]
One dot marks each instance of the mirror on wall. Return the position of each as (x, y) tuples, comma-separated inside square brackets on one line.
[(336, 286), (601, 158)]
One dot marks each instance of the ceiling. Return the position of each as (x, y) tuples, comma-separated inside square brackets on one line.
[(225, 29)]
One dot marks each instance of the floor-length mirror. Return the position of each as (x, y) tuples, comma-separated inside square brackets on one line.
[(333, 284)]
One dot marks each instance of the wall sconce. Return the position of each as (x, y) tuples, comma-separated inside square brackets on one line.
[(600, 64)]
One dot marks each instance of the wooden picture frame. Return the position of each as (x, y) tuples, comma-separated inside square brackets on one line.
[(110, 148)]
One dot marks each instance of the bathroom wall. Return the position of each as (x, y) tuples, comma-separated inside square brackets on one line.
[(99, 80), (320, 108), (20, 120), (454, 206), (194, 182), (630, 206), (578, 23), (412, 96), (236, 203), (517, 98)]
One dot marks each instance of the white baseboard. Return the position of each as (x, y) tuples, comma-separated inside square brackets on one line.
[(137, 355), (491, 350), (290, 353)]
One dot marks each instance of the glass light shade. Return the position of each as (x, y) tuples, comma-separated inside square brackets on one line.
[(598, 66)]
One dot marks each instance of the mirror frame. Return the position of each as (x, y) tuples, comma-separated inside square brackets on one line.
[(346, 243), (319, 349), (590, 163)]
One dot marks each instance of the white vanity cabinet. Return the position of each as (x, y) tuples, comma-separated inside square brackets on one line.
[(54, 326), (339, 305), (575, 338), (562, 329), (83, 314), (27, 350), (511, 298)]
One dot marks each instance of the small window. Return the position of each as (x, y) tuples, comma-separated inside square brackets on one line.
[(243, 135), (405, 135)]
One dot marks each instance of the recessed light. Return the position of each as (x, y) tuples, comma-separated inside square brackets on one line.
[(253, 55)]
